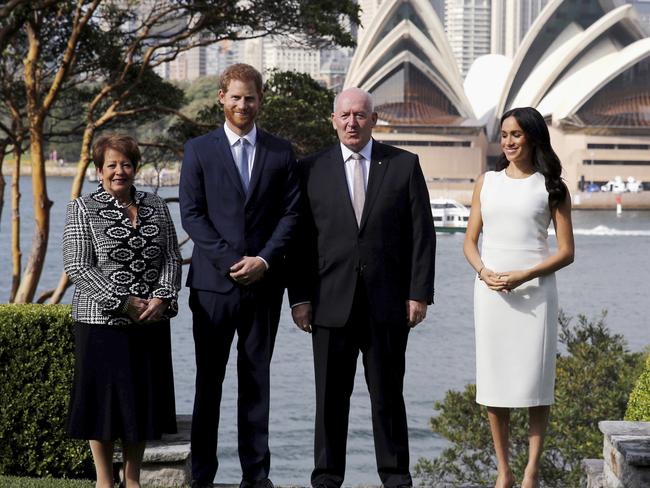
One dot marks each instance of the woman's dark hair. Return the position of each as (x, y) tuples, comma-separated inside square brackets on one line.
[(543, 156), (127, 145)]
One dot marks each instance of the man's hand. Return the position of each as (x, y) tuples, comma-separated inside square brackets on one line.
[(247, 271), (154, 311), (415, 312), (302, 316), (135, 307)]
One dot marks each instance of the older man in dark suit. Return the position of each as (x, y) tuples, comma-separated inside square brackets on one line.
[(239, 198), (363, 275)]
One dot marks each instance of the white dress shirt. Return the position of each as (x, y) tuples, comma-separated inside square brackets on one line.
[(235, 148), (349, 163), (235, 145)]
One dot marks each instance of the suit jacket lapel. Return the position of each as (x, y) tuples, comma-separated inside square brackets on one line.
[(258, 163), (224, 155), (376, 174)]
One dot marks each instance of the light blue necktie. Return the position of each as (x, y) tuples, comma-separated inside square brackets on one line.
[(242, 164)]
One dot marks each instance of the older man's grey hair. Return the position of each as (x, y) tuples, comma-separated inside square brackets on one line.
[(368, 98)]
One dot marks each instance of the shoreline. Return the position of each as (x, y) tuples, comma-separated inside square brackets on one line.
[(580, 200)]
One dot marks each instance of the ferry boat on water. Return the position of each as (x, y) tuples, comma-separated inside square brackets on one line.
[(449, 215)]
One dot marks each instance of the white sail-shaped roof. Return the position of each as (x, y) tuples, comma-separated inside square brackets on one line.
[(571, 46), (408, 32), (574, 51), (586, 84)]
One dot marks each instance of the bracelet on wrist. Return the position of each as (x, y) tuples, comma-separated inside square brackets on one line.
[(479, 272)]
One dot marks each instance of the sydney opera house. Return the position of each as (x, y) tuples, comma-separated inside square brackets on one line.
[(585, 65)]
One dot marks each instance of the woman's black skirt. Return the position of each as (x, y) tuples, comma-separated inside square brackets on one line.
[(123, 385)]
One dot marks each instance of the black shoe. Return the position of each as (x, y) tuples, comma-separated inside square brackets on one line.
[(201, 484), (265, 483)]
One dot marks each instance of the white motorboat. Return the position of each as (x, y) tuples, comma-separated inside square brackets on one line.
[(449, 215), (617, 185)]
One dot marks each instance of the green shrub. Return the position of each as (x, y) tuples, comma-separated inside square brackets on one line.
[(638, 407), (36, 368), (593, 382)]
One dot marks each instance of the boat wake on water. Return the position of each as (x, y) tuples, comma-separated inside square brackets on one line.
[(603, 230)]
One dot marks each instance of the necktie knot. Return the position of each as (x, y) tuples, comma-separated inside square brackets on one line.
[(356, 156)]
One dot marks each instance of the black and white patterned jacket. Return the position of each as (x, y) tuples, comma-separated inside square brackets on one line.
[(108, 259)]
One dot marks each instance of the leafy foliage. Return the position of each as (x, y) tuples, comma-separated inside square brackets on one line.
[(297, 108), (36, 368), (638, 407), (593, 381)]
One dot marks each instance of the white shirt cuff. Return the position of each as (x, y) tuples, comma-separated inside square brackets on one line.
[(264, 261)]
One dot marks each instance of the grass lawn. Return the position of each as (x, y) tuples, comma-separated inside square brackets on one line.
[(14, 482)]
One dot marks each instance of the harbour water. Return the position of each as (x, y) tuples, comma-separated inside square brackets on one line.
[(610, 272)]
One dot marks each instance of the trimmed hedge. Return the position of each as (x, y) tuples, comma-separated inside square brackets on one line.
[(36, 368), (638, 406)]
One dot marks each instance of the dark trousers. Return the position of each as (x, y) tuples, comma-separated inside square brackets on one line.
[(216, 317), (336, 351)]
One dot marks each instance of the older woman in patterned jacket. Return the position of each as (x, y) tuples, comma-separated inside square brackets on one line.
[(120, 251)]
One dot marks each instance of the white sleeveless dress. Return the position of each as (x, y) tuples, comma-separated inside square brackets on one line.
[(516, 332)]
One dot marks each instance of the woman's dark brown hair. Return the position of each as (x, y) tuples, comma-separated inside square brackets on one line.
[(543, 156), (127, 145)]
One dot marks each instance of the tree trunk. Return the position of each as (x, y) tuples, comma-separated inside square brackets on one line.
[(3, 183), (84, 161), (42, 205), (77, 185), (16, 254)]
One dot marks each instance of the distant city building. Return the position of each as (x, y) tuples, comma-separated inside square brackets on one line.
[(328, 66), (223, 54), (511, 20), (278, 55), (334, 64), (254, 53), (643, 9), (467, 23), (189, 65)]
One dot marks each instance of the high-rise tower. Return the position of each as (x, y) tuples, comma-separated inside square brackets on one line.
[(467, 23), (511, 19)]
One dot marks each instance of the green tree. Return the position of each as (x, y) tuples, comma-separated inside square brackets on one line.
[(114, 48), (297, 108), (638, 408), (594, 379)]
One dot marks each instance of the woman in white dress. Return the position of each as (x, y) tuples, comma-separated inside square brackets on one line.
[(515, 296)]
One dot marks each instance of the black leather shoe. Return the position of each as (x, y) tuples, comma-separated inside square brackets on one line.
[(265, 483)]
